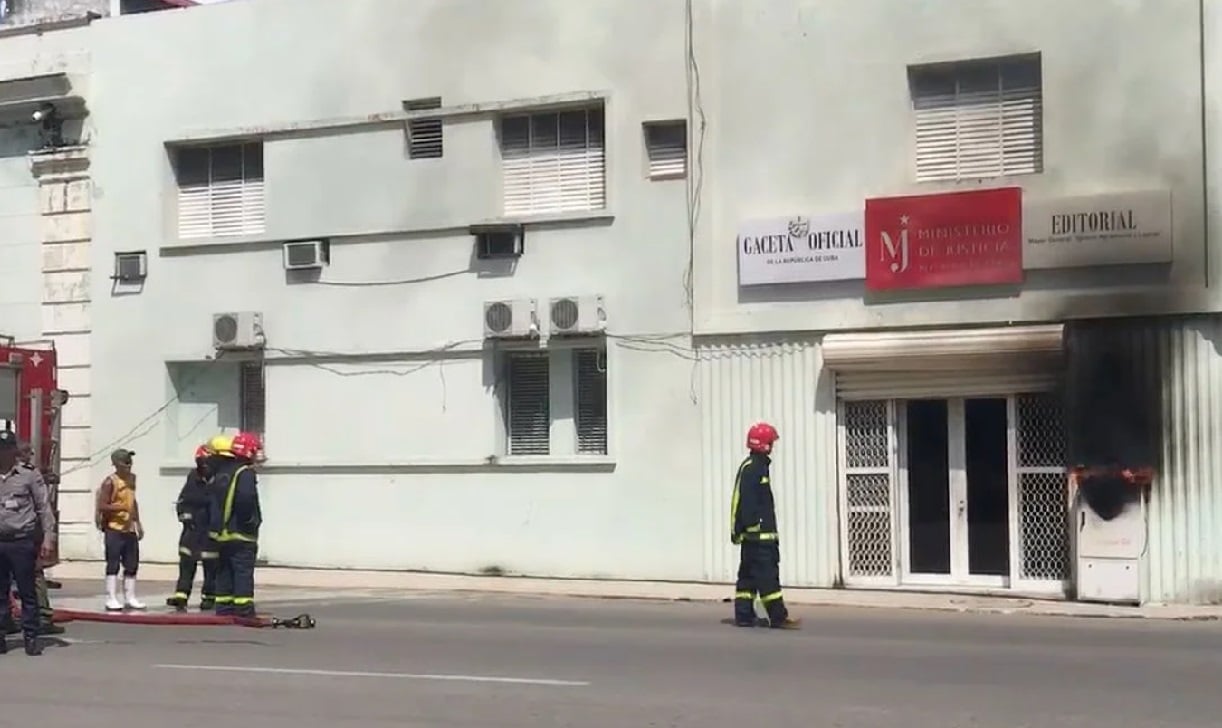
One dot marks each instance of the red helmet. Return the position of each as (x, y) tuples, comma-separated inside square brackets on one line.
[(203, 452), (246, 445), (760, 437)]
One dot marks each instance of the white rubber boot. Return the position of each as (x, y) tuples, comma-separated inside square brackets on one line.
[(129, 590), (112, 595)]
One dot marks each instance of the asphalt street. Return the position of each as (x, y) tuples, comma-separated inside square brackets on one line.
[(454, 661)]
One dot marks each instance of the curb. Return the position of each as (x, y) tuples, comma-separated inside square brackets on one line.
[(345, 580)]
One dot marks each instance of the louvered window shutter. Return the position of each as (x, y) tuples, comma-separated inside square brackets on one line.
[(590, 395), (553, 162), (252, 397), (666, 146), (977, 120), (528, 413), (220, 191), (424, 135)]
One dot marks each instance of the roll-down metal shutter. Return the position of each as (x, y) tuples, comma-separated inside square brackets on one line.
[(945, 363)]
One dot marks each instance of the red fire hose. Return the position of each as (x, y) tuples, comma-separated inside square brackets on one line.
[(180, 619)]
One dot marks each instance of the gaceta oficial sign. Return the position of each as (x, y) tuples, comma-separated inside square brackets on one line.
[(1112, 229), (802, 249)]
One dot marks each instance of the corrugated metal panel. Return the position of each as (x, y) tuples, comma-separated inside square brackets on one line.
[(744, 380), (1179, 360)]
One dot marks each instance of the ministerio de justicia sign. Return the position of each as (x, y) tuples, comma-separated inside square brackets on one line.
[(1120, 228)]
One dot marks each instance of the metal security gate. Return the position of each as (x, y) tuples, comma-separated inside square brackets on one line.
[(872, 505)]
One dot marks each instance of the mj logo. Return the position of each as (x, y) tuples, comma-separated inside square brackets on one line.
[(895, 250)]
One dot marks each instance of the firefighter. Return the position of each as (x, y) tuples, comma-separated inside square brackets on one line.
[(235, 521), (753, 528), (194, 545)]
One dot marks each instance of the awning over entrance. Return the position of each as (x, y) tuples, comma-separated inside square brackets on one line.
[(945, 362)]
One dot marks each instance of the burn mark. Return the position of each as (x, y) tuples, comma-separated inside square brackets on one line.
[(1113, 413)]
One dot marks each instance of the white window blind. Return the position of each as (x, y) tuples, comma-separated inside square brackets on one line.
[(978, 119), (252, 398), (590, 395), (554, 162), (424, 136), (666, 147), (528, 406), (220, 191)]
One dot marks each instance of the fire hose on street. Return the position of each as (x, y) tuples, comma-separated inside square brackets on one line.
[(175, 619)]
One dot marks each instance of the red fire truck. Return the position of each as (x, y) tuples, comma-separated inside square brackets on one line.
[(31, 402)]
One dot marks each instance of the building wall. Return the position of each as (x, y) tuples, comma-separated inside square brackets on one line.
[(836, 127), (381, 421), (744, 380)]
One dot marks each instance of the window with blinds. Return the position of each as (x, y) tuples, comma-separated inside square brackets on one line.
[(590, 400), (666, 149), (554, 162), (220, 191), (528, 415), (424, 136), (252, 399), (978, 119)]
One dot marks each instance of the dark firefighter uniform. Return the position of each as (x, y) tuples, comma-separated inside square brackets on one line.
[(753, 527), (195, 546), (235, 521)]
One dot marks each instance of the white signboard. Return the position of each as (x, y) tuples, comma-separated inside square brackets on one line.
[(1113, 229), (802, 249)]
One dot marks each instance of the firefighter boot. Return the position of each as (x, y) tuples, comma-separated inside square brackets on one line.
[(178, 602), (32, 647), (207, 604)]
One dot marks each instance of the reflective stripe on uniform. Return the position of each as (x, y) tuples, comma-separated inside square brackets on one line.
[(243, 601), (185, 551), (225, 535), (734, 499), (745, 595), (181, 595), (224, 600), (771, 536), (209, 555), (771, 597)]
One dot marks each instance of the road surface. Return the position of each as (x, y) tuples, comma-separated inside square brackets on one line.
[(452, 661)]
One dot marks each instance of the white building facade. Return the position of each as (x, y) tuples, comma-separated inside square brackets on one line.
[(510, 305)]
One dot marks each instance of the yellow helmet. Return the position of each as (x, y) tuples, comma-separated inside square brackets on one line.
[(222, 445)]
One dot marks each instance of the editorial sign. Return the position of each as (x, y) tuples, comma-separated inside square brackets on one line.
[(1131, 228)]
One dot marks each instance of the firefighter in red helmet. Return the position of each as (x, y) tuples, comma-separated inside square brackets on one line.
[(236, 518), (753, 528)]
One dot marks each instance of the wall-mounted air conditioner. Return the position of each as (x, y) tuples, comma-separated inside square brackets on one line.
[(306, 254), (513, 319), (238, 330), (577, 315)]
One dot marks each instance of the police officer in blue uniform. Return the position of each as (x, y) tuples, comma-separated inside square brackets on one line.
[(27, 533)]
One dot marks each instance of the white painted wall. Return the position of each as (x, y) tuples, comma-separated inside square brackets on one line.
[(809, 112), (385, 469)]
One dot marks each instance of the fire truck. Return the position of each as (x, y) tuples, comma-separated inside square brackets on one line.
[(30, 405)]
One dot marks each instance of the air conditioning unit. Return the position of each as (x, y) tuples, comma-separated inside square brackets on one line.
[(513, 319), (306, 254), (577, 315), (238, 330)]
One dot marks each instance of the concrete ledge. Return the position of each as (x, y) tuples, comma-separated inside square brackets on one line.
[(345, 580)]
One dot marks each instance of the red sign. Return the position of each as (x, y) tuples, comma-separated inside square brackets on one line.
[(955, 239)]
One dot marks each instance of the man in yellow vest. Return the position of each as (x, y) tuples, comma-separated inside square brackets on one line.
[(118, 518), (235, 521)]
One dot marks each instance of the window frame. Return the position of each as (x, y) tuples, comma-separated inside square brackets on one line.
[(563, 426), (536, 161), (201, 206), (660, 154), (993, 129)]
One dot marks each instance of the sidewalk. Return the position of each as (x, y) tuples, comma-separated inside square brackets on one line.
[(368, 581)]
